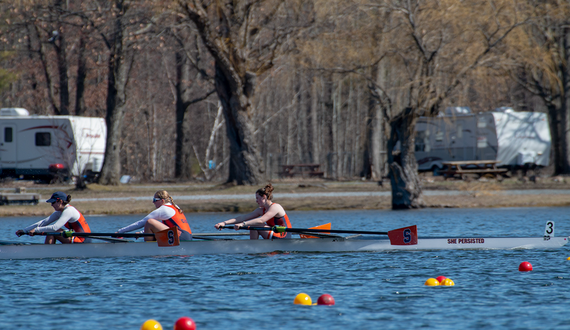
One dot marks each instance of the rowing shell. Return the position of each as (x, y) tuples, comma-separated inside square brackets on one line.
[(246, 246)]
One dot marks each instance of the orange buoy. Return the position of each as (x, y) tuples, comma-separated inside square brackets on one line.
[(447, 282), (303, 299), (151, 325), (431, 282)]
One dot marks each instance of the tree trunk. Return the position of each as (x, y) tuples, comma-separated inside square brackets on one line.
[(60, 50), (337, 99), (315, 135), (291, 116), (235, 87), (43, 60), (245, 161), (120, 62), (377, 139), (373, 144), (557, 120), (181, 75), (406, 185), (565, 99), (81, 76)]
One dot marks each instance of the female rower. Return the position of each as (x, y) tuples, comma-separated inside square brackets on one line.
[(268, 214), (166, 215), (66, 216)]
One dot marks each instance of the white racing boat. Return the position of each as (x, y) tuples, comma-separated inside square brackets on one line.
[(398, 240)]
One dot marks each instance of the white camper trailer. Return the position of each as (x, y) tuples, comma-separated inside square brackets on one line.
[(514, 139), (41, 147)]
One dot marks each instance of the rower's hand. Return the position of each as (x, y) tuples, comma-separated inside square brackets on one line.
[(137, 232), (20, 232), (237, 226), (220, 225), (31, 232)]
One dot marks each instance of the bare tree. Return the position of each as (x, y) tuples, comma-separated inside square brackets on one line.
[(187, 86), (432, 47), (537, 58), (51, 31), (244, 38), (121, 37)]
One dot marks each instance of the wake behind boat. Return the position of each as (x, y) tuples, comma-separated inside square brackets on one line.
[(398, 241)]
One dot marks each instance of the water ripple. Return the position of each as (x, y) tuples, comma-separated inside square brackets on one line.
[(372, 290)]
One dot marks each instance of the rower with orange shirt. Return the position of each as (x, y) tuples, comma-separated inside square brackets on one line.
[(66, 216), (166, 215), (268, 214)]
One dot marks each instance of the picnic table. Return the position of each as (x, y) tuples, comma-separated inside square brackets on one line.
[(291, 170), (475, 167)]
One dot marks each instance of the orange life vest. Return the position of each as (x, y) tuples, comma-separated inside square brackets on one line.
[(284, 221), (79, 226), (178, 220)]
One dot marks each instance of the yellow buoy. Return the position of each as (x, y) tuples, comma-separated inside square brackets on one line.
[(447, 282), (303, 299), (431, 282), (151, 325), (568, 258)]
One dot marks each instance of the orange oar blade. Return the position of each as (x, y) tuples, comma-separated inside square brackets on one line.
[(404, 236), (324, 227), (168, 237)]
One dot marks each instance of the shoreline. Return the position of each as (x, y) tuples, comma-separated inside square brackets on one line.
[(294, 196)]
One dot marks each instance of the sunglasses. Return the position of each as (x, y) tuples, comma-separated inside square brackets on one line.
[(154, 200)]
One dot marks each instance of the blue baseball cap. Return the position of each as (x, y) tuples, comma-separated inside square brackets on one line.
[(57, 195)]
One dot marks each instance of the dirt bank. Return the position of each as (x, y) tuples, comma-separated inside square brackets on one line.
[(136, 198)]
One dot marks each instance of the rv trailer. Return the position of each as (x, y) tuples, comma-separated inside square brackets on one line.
[(514, 139), (45, 147)]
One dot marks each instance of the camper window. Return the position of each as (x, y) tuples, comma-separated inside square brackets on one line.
[(43, 139), (8, 137)]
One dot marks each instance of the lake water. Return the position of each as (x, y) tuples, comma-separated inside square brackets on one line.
[(372, 290)]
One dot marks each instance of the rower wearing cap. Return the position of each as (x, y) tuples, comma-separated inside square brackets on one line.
[(66, 216), (166, 215), (268, 214)]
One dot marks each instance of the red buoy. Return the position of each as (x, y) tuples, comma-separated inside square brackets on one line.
[(440, 278), (525, 266), (325, 299), (185, 323)]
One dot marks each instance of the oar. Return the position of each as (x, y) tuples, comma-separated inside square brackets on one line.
[(220, 234), (282, 229), (208, 236), (69, 234), (400, 236), (167, 237)]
